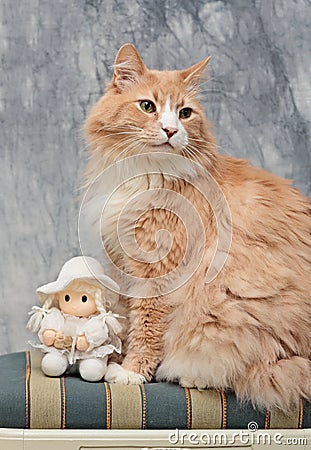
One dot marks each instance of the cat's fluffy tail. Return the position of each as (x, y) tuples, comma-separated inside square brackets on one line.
[(278, 385)]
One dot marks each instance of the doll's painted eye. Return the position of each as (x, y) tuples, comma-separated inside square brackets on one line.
[(67, 298), (84, 298)]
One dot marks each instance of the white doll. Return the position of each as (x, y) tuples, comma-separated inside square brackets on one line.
[(73, 325)]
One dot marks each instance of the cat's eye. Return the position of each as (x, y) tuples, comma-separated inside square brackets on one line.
[(67, 298), (84, 298), (185, 113), (147, 106)]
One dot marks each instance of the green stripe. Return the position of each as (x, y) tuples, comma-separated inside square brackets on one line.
[(166, 406), (12, 391), (239, 414), (306, 421), (85, 403)]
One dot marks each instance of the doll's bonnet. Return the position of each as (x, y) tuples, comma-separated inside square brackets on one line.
[(84, 269)]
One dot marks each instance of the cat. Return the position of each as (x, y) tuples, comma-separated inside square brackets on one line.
[(246, 327)]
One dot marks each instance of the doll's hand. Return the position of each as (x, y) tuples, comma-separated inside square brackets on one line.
[(82, 343), (48, 337), (62, 342)]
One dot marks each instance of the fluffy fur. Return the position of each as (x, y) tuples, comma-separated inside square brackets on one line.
[(249, 328)]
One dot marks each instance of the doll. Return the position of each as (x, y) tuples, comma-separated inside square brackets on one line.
[(73, 325)]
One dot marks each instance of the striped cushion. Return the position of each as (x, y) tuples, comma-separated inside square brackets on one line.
[(29, 399)]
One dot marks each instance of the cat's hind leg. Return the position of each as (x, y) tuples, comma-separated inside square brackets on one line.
[(279, 385)]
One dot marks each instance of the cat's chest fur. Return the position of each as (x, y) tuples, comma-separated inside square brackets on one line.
[(119, 198), (123, 207)]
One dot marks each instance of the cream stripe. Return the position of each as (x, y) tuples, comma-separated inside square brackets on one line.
[(280, 419), (206, 409), (126, 407), (45, 397)]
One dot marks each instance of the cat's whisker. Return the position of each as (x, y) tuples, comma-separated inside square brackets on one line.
[(197, 90), (209, 79), (110, 154), (216, 91), (189, 152), (200, 91), (197, 155), (122, 141), (222, 148), (197, 140), (204, 142), (121, 127), (126, 150), (120, 133), (132, 144), (143, 148), (209, 92), (100, 139), (123, 144)]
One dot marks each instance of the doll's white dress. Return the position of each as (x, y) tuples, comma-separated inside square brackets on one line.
[(102, 342)]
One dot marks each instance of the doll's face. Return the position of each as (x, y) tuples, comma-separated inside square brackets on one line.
[(76, 303)]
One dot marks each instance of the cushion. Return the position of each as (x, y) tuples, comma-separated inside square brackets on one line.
[(29, 399)]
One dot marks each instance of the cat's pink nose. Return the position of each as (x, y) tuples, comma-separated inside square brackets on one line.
[(170, 131)]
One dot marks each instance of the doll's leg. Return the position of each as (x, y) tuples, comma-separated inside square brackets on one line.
[(54, 364), (93, 369)]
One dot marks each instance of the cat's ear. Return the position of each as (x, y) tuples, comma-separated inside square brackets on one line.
[(194, 74), (128, 67)]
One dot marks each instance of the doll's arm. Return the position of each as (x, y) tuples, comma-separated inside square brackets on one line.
[(82, 343), (48, 337), (52, 324), (93, 334)]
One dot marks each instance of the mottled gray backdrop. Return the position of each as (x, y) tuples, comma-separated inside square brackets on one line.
[(56, 57)]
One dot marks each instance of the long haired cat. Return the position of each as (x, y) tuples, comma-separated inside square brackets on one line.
[(171, 202)]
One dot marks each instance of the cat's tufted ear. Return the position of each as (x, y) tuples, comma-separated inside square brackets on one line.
[(193, 75), (128, 67)]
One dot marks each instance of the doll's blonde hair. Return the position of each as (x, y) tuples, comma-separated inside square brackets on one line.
[(37, 313)]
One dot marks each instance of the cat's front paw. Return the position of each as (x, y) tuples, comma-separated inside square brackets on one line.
[(117, 374), (198, 383)]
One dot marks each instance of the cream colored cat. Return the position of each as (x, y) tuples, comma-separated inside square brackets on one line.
[(248, 326)]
